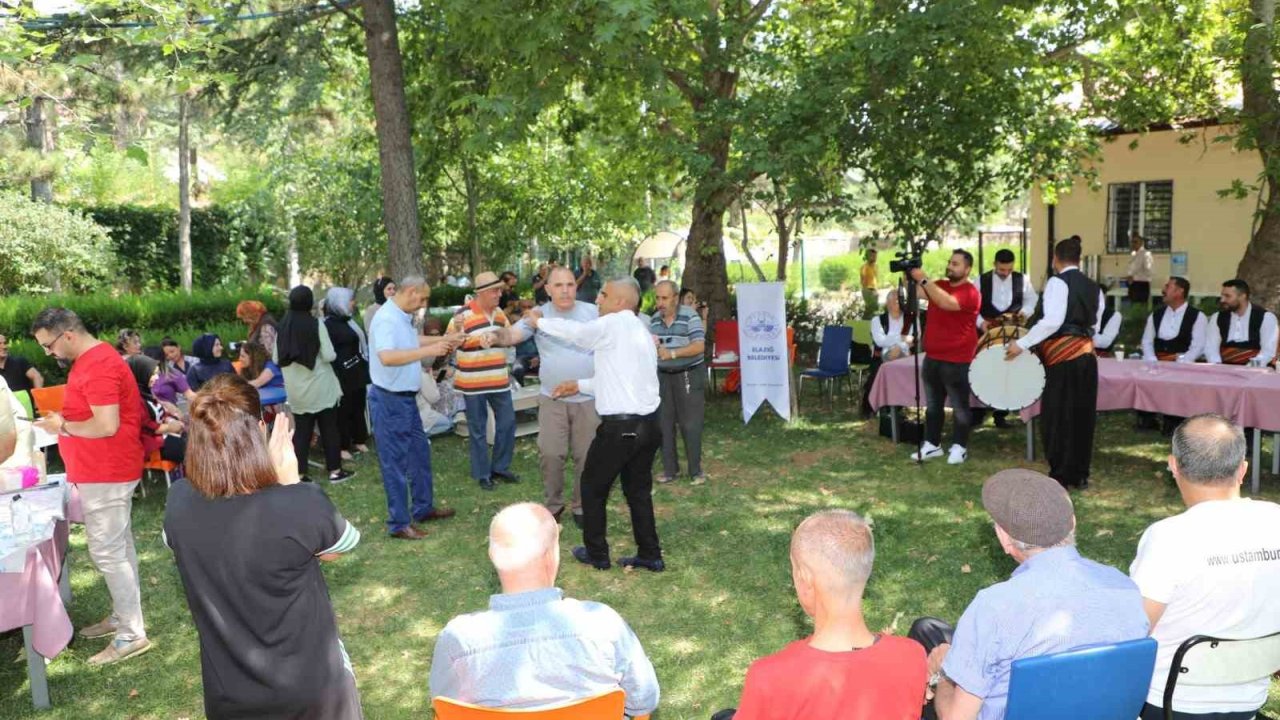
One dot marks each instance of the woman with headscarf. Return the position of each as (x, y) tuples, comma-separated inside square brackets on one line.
[(263, 328), (161, 429), (352, 366), (383, 288), (209, 361), (248, 541), (304, 353)]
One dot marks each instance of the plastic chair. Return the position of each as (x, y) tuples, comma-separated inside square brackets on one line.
[(833, 359), (158, 464), (862, 337), (609, 706), (1049, 687), (49, 399), (726, 342), (1204, 660), (28, 406)]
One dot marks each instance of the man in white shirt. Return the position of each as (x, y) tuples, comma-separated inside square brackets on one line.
[(890, 338), (1241, 333), (1139, 272), (1175, 331), (625, 385), (1201, 572), (1004, 291), (1108, 327)]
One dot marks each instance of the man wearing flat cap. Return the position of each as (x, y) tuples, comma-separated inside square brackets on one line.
[(484, 381), (1055, 601)]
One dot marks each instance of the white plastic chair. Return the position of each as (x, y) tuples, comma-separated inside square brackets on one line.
[(1204, 660)]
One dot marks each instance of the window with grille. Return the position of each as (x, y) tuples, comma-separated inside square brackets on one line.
[(1142, 207)]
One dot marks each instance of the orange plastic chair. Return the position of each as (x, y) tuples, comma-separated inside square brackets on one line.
[(154, 462), (49, 399), (609, 706)]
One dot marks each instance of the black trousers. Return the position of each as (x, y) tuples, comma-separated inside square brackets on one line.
[(1068, 418), (1139, 291), (304, 424), (930, 632), (352, 429), (623, 448), (944, 380)]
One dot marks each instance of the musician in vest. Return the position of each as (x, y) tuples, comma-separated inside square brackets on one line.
[(1108, 328), (1175, 332), (1006, 294), (1241, 333), (1063, 338), (891, 338)]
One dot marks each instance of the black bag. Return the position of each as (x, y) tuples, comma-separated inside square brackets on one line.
[(909, 431)]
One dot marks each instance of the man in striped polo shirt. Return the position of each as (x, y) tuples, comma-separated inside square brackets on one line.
[(677, 331), (483, 380)]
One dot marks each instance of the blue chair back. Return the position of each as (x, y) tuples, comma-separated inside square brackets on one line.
[(1100, 682), (833, 356)]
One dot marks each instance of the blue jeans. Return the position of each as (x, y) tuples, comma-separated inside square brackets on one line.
[(504, 433), (404, 455)]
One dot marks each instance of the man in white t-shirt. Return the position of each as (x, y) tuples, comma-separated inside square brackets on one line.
[(1200, 572)]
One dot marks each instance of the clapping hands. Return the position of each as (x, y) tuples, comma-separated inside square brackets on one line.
[(280, 450)]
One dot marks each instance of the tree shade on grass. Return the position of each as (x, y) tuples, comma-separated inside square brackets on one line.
[(725, 599)]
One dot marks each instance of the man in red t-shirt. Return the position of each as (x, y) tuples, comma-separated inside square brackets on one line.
[(843, 671), (99, 436), (948, 348)]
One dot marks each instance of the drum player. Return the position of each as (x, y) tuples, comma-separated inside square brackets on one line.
[(1007, 298), (1062, 336)]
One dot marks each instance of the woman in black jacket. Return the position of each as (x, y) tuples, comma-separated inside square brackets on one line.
[(352, 367)]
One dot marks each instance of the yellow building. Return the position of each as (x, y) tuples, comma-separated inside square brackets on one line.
[(1165, 185)]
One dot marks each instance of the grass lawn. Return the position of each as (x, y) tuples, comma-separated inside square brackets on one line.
[(725, 599)]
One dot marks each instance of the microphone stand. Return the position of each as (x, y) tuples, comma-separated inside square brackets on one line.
[(913, 308)]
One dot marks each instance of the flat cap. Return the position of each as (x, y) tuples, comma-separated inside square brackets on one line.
[(1030, 506)]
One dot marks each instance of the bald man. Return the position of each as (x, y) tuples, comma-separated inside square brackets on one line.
[(625, 385), (843, 671), (533, 647)]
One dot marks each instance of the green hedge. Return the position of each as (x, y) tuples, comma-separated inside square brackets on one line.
[(45, 246), (108, 313), (229, 245)]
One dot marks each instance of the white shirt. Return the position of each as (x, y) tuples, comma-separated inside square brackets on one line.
[(1204, 566), (1140, 263), (626, 361), (1103, 337), (1238, 331), (1170, 326), (1002, 295), (887, 340), (1054, 308)]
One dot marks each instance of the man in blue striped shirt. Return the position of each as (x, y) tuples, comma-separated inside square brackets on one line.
[(682, 380)]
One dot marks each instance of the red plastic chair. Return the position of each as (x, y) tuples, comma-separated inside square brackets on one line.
[(726, 342)]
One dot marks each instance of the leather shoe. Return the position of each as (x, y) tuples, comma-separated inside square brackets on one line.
[(638, 562), (487, 484), (505, 477), (436, 514), (580, 554), (408, 533)]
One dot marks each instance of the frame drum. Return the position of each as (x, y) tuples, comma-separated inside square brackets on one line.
[(1006, 385)]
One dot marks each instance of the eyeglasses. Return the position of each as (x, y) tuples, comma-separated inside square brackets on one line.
[(48, 347)]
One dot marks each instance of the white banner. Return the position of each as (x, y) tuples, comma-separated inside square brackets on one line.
[(762, 348)]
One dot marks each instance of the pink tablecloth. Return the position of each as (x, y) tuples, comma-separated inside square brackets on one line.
[(31, 597), (1250, 396)]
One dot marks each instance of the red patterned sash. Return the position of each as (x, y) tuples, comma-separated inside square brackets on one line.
[(1064, 349), (1167, 356), (1237, 356)]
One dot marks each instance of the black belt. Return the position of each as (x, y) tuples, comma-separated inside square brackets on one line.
[(400, 393), (681, 371), (623, 417)]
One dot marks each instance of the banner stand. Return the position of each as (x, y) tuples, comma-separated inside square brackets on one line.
[(765, 357)]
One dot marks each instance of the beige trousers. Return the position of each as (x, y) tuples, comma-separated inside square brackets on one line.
[(564, 428), (108, 527)]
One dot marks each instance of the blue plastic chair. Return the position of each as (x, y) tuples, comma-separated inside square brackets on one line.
[(833, 360), (1100, 682)]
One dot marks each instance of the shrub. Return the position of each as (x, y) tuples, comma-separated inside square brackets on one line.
[(833, 272), (45, 246)]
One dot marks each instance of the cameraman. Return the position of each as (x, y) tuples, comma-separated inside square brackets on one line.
[(948, 347)]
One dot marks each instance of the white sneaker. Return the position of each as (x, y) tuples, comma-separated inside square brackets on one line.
[(957, 455), (928, 451)]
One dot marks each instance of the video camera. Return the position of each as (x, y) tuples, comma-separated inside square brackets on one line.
[(909, 259)]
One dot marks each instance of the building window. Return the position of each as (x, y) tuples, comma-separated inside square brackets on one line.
[(1142, 207)]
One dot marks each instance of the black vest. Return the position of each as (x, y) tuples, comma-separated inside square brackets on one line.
[(1182, 342), (1257, 314), (1082, 305), (1108, 312), (989, 310)]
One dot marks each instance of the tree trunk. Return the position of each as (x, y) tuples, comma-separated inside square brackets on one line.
[(746, 242), (395, 146), (705, 270), (784, 240), (184, 191), (38, 139), (473, 201), (294, 264), (1260, 266)]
